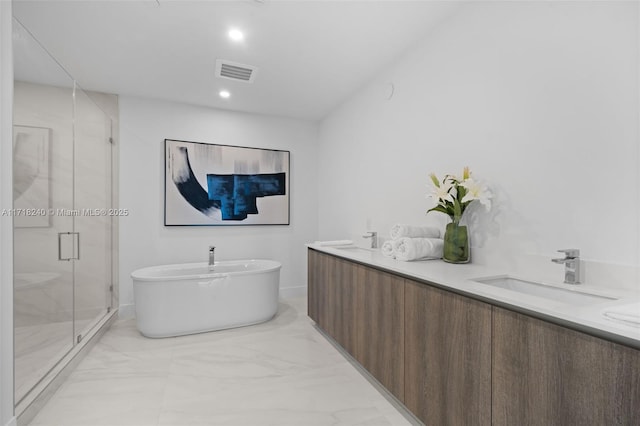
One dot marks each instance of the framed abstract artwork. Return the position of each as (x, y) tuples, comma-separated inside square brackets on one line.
[(210, 184)]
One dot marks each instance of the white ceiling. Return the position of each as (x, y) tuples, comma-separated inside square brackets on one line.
[(311, 55)]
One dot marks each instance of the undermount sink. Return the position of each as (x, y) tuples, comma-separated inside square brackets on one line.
[(545, 291), (355, 249)]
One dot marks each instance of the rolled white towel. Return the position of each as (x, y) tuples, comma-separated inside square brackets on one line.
[(390, 248), (395, 244), (334, 243), (419, 248), (387, 249), (400, 230)]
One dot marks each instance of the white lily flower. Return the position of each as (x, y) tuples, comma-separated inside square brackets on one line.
[(476, 191), (444, 193), (466, 174)]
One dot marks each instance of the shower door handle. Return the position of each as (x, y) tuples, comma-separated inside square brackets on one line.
[(75, 245)]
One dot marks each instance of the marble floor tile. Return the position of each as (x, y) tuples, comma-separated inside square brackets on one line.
[(37, 348), (283, 372)]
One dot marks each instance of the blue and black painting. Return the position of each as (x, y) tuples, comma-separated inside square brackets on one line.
[(235, 195), (238, 193)]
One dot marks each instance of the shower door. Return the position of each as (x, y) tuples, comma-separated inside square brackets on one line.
[(43, 203), (62, 203), (93, 224), (43, 285)]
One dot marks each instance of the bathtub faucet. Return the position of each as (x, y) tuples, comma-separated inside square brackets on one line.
[(212, 257)]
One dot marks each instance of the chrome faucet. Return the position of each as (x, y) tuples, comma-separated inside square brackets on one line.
[(571, 265), (212, 257), (374, 238)]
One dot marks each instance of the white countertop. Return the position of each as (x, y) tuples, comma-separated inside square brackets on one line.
[(458, 278)]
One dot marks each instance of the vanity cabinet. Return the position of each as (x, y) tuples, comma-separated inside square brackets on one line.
[(361, 309), (455, 360), (381, 328), (447, 357), (545, 374), (316, 296), (333, 297), (430, 348)]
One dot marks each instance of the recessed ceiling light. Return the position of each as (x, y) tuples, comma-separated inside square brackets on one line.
[(224, 94), (235, 34)]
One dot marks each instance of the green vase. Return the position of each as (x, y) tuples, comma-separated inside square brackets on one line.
[(456, 244)]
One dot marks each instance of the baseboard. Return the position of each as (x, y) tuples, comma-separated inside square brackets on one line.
[(127, 311), (288, 292)]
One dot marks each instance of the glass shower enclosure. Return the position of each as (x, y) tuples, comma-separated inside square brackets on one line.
[(63, 222)]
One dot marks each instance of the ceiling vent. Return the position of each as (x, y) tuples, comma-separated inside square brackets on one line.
[(235, 71)]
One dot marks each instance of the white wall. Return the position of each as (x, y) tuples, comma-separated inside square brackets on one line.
[(145, 241), (540, 99), (6, 225)]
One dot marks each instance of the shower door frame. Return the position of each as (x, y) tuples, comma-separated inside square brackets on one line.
[(53, 365)]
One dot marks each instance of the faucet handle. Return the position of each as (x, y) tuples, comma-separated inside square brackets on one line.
[(212, 248), (374, 238), (570, 253)]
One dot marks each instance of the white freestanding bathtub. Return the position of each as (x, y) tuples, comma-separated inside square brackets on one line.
[(173, 300)]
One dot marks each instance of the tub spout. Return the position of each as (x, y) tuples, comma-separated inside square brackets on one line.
[(212, 257)]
